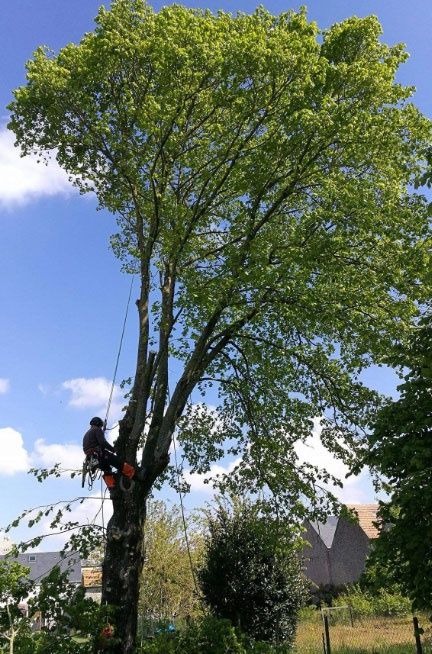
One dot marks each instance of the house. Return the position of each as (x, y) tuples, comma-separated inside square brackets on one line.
[(338, 548), (92, 579), (40, 565)]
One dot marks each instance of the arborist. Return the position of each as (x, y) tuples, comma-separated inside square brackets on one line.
[(95, 443)]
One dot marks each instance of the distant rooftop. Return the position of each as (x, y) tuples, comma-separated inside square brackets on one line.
[(326, 530), (366, 513), (41, 564)]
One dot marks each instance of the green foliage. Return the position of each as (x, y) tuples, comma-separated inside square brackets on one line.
[(251, 573), (209, 636), (201, 636), (401, 451), (71, 622), (167, 587), (265, 185), (14, 588), (383, 603)]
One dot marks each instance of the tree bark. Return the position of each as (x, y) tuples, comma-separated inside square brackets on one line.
[(122, 566)]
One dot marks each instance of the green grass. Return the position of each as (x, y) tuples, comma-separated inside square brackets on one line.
[(374, 635)]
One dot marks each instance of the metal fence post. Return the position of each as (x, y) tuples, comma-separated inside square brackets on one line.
[(327, 634), (417, 632)]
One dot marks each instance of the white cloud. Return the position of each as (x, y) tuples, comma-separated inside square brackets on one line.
[(69, 455), (4, 385), (355, 489), (14, 457), (197, 481), (93, 393), (22, 179)]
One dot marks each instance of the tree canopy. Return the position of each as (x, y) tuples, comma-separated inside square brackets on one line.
[(261, 179), (401, 451)]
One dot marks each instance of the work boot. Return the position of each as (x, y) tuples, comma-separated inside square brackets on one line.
[(109, 480), (128, 470)]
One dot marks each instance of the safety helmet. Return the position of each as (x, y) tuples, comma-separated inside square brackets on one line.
[(96, 422)]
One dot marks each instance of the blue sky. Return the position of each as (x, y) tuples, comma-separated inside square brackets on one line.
[(61, 290)]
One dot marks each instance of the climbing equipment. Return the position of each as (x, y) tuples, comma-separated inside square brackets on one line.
[(119, 353), (90, 468)]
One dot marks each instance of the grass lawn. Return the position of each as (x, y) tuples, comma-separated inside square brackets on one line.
[(372, 635)]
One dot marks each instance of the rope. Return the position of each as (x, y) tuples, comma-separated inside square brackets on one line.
[(103, 493), (184, 520), (119, 352)]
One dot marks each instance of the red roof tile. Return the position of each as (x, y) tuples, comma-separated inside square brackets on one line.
[(367, 515)]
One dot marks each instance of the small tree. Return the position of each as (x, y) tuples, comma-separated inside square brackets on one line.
[(167, 587), (14, 589), (401, 451), (252, 574)]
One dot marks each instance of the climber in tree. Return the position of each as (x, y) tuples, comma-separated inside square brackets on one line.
[(94, 442)]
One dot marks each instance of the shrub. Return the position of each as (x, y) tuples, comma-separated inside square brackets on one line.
[(387, 603), (209, 635), (383, 602), (205, 636), (251, 573)]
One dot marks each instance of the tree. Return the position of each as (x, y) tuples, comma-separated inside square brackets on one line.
[(252, 573), (401, 451), (14, 589), (168, 585), (261, 173)]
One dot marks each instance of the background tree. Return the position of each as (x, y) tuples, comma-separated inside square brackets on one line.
[(167, 586), (401, 451), (252, 572), (14, 590), (261, 174)]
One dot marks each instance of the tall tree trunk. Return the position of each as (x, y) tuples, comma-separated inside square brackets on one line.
[(123, 564)]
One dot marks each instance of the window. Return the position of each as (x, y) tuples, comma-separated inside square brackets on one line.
[(32, 558)]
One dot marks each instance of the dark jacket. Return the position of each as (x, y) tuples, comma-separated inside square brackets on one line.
[(95, 438)]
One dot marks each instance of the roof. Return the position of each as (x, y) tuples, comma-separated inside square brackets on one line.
[(326, 530), (367, 516), (41, 563)]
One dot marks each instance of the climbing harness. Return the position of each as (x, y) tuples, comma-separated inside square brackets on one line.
[(90, 469), (126, 484)]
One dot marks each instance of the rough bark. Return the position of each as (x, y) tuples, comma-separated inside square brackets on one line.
[(123, 564)]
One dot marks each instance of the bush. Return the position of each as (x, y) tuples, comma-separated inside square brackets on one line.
[(205, 636), (391, 604), (209, 635), (251, 573), (382, 603)]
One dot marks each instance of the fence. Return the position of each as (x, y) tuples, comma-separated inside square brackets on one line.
[(339, 631)]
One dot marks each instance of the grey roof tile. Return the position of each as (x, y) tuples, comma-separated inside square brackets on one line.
[(41, 563), (326, 530)]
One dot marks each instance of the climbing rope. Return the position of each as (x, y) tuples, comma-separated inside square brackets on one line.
[(103, 493), (184, 519), (119, 353)]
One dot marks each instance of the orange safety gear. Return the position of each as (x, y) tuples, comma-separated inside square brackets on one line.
[(109, 480), (128, 470)]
